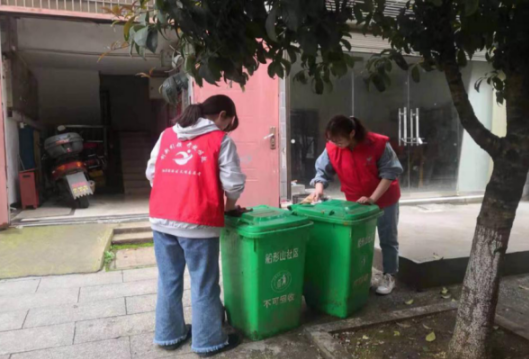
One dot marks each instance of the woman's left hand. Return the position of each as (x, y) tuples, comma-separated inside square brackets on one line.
[(366, 200)]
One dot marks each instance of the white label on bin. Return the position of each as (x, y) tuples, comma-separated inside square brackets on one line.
[(282, 256), (281, 281), (366, 240), (277, 301)]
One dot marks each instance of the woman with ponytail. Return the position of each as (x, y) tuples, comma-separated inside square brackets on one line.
[(195, 176), (368, 170)]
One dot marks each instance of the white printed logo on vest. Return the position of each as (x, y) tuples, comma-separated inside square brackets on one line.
[(182, 158)]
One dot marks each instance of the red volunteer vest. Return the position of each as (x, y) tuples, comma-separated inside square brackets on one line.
[(358, 171), (186, 186)]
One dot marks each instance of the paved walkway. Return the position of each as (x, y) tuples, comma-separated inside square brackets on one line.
[(111, 315), (102, 315)]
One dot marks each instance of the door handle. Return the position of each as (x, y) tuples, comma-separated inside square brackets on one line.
[(272, 137), (400, 127)]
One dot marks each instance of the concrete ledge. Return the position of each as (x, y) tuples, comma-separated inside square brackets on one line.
[(443, 272), (321, 335)]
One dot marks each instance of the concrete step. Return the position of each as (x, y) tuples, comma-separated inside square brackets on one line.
[(137, 227), (132, 238)]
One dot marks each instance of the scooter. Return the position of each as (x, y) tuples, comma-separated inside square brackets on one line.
[(69, 172)]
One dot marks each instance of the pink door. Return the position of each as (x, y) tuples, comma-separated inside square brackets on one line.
[(258, 111)]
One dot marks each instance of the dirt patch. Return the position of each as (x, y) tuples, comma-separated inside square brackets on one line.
[(425, 338)]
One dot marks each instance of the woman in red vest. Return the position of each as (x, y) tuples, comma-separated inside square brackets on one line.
[(368, 170), (192, 168)]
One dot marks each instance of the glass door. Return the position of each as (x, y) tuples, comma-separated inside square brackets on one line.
[(422, 124), (432, 135)]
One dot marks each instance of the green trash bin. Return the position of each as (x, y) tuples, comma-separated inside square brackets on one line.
[(339, 255), (263, 261)]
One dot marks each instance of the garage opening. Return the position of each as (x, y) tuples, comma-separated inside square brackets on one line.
[(58, 89)]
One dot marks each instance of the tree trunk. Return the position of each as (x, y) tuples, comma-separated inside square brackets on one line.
[(479, 297)]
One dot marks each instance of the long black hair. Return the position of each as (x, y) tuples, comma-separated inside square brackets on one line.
[(212, 106), (342, 126)]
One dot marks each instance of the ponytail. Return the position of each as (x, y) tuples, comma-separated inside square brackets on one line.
[(190, 115), (342, 126), (213, 106)]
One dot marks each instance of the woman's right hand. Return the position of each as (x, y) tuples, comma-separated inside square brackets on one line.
[(316, 195)]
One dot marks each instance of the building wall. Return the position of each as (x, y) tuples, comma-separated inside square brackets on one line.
[(68, 97)]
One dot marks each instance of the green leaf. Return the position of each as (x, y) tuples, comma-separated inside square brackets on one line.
[(431, 337), (140, 37), (349, 60), (396, 333), (339, 69), (318, 86), (461, 58), (409, 302), (498, 84), (292, 54), (287, 65), (270, 23), (308, 43), (191, 62), (444, 291), (416, 73), (378, 81), (152, 41), (436, 2), (127, 27), (359, 16), (275, 68), (400, 60), (368, 6), (300, 77), (471, 6), (206, 74), (144, 18)]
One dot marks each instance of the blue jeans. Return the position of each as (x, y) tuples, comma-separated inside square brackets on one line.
[(202, 258), (388, 235)]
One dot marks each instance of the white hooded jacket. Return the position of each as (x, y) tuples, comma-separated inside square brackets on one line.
[(231, 177)]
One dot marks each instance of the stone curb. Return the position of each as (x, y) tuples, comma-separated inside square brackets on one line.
[(321, 335)]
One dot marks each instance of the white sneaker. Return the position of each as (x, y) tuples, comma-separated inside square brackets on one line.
[(386, 285)]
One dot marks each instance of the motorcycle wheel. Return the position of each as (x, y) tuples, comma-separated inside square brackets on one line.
[(82, 202)]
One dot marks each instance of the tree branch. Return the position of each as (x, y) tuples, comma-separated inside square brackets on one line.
[(479, 133)]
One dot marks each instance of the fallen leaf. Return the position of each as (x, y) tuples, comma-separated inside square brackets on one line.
[(396, 333), (522, 287), (426, 327), (448, 296), (431, 337), (365, 337), (381, 343), (402, 325), (409, 302), (444, 291)]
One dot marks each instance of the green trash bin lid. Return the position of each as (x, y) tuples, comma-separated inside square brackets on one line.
[(264, 219), (337, 211)]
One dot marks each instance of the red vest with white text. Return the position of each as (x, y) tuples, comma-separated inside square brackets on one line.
[(186, 186), (358, 171)]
